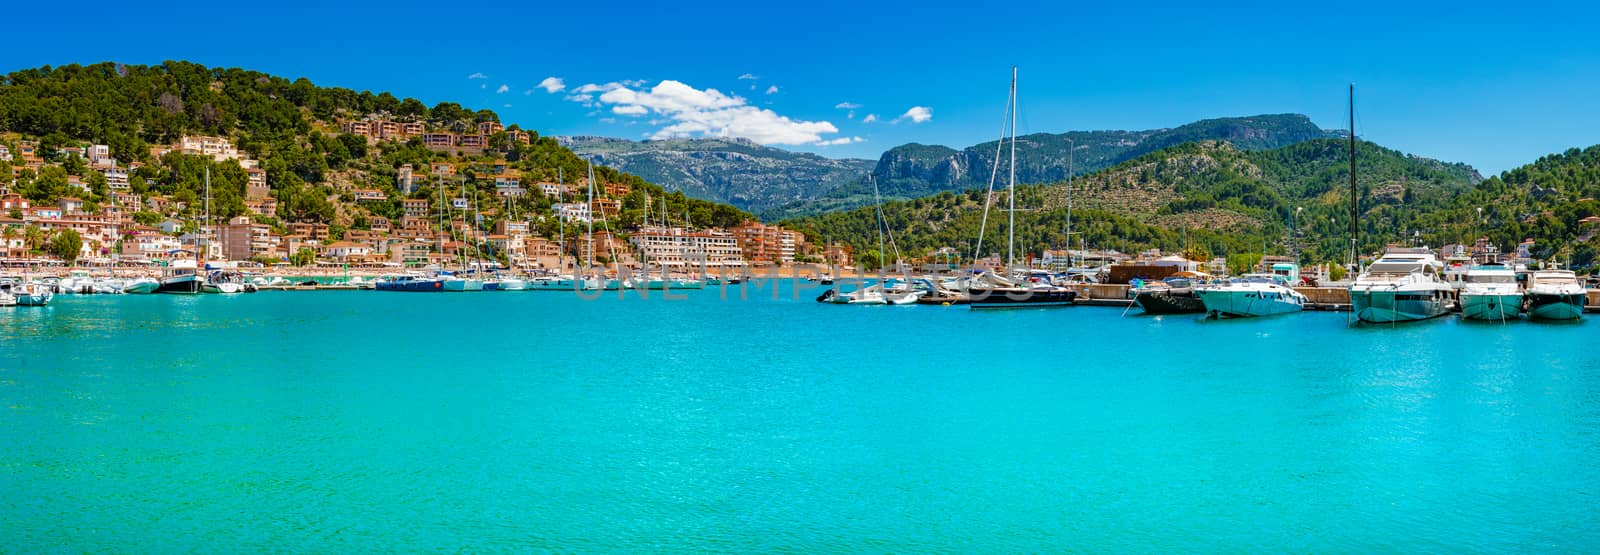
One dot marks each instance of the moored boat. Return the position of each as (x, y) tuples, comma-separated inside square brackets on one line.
[(1254, 295), (1173, 295), (1490, 292), (143, 285), (1555, 295), (32, 294), (553, 283), (410, 284), (182, 278), (1402, 286)]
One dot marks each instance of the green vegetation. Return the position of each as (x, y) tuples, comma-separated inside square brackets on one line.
[(65, 245), (1215, 198), (290, 126)]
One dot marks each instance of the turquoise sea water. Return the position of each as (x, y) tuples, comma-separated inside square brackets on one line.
[(532, 421)]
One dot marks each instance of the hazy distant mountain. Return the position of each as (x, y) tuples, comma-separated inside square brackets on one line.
[(735, 171)]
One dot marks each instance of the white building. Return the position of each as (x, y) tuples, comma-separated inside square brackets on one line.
[(572, 211), (218, 148), (678, 247)]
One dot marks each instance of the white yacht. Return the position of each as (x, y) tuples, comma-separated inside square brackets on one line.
[(1555, 295), (1490, 292), (1403, 285), (1254, 295)]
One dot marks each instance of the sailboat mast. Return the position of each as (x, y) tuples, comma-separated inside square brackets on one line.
[(590, 221), (1071, 147), (561, 224), (206, 230), (1355, 199), (881, 223), (1011, 195)]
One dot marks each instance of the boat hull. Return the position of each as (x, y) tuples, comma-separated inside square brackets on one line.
[(1223, 303), (181, 285), (411, 286), (558, 284), (1168, 302), (223, 288), (1006, 297), (32, 296), (142, 287), (513, 285), (1565, 306), (1388, 307), (461, 285), (1491, 306)]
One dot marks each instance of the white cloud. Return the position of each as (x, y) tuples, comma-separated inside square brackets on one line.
[(483, 86), (552, 85), (593, 88), (917, 114), (608, 120), (841, 141), (772, 89), (846, 106), (870, 118), (507, 105), (502, 89), (748, 77), (479, 75), (687, 111)]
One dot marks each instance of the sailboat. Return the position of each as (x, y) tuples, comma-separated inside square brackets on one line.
[(558, 281), (877, 293), (454, 282), (991, 290)]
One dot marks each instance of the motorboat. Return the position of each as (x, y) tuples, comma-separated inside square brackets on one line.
[(1555, 295), (143, 285), (32, 294), (1490, 292), (182, 277), (1172, 295), (1401, 286), (1252, 295)]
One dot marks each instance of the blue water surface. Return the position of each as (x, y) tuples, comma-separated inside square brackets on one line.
[(536, 421)]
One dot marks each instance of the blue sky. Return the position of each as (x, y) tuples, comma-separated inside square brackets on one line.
[(1491, 85)]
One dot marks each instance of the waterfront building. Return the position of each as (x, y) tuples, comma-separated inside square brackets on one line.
[(680, 248), (764, 244), (243, 239)]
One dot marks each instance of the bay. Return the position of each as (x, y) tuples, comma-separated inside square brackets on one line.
[(538, 421)]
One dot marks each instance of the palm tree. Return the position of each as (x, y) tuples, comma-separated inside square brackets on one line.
[(34, 238), (9, 234)]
